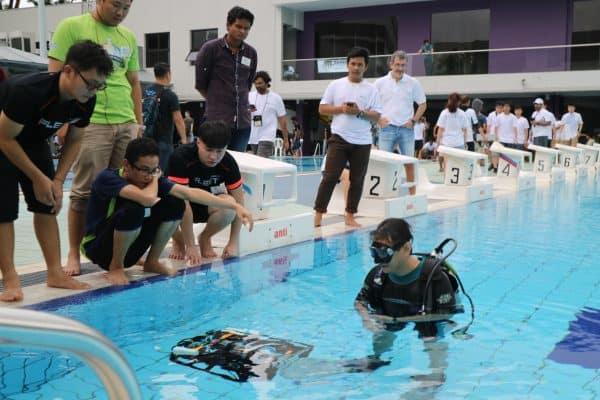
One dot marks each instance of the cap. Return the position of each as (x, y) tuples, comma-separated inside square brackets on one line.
[(538, 101)]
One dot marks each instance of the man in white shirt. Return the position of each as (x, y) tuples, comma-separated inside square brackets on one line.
[(398, 92), (522, 128), (267, 110), (506, 127), (572, 125), (472, 121), (491, 135), (354, 105), (542, 122)]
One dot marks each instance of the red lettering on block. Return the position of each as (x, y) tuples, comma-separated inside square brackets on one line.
[(280, 233)]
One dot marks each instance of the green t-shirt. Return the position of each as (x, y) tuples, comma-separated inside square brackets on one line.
[(114, 105)]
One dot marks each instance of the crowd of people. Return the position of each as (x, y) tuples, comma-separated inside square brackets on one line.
[(132, 191)]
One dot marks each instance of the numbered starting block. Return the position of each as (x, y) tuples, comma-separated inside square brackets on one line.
[(277, 221), (591, 158), (571, 158), (385, 190), (510, 174), (459, 183), (545, 164)]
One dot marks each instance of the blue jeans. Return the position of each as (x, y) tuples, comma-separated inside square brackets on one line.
[(239, 139), (392, 135)]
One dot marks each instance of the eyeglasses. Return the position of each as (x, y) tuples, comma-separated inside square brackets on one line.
[(148, 171), (91, 86)]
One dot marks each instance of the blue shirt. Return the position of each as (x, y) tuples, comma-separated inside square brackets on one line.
[(105, 197)]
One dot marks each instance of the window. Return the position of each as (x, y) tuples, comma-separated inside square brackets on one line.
[(336, 38), (199, 37), (157, 48), (460, 30), (586, 29)]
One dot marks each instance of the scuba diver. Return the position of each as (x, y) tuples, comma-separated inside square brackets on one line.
[(406, 287)]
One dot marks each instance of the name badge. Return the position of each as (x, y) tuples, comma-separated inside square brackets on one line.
[(245, 61), (257, 121), (217, 190), (147, 212)]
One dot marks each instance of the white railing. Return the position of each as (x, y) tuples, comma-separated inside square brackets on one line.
[(34, 329)]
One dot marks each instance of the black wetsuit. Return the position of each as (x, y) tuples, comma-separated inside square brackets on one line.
[(403, 296)]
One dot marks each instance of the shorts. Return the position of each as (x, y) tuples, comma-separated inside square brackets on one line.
[(200, 212), (418, 145), (400, 135), (11, 177), (102, 146), (129, 216), (471, 146)]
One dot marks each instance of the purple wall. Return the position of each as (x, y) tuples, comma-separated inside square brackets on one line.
[(513, 23)]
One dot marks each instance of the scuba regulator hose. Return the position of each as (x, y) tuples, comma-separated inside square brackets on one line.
[(437, 253)]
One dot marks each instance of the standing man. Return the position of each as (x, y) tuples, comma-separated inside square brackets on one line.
[(189, 127), (225, 70), (506, 126), (522, 128), (399, 92), (427, 50), (542, 122), (491, 135), (472, 121), (117, 115), (354, 105), (168, 114), (267, 110), (572, 125), (33, 108)]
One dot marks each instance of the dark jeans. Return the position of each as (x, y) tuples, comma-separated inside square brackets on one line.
[(239, 139), (340, 152), (130, 216), (541, 141), (164, 153)]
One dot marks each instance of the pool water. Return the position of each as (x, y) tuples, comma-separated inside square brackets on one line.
[(528, 260)]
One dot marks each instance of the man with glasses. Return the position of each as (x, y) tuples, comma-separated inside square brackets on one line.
[(33, 108), (117, 116), (135, 208)]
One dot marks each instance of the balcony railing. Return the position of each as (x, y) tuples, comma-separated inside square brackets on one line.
[(576, 57)]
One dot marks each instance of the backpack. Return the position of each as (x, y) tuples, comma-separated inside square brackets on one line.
[(151, 109)]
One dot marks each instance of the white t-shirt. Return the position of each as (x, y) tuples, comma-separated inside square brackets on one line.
[(491, 125), (543, 115), (471, 120), (352, 129), (419, 127), (398, 97), (430, 146), (453, 124), (269, 106), (522, 126), (505, 127), (571, 122)]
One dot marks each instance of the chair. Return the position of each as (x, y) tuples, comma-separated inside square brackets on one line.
[(278, 147)]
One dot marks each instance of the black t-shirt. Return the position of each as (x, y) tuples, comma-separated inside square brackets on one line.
[(33, 100), (386, 297), (169, 102), (185, 168)]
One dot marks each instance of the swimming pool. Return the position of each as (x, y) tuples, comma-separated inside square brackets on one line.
[(528, 260)]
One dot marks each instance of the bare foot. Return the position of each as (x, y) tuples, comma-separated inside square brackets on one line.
[(350, 221), (192, 255), (117, 277), (206, 248), (63, 281), (230, 251), (318, 219), (12, 289), (73, 267), (177, 251), (158, 268)]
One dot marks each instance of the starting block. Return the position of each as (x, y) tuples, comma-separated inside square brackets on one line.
[(459, 183), (510, 166), (591, 157), (545, 166), (571, 158), (384, 194), (277, 222)]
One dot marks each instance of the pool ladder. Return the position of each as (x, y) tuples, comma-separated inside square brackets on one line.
[(35, 329)]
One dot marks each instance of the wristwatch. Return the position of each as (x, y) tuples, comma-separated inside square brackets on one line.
[(361, 114)]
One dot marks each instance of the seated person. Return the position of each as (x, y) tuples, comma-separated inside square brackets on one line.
[(134, 208), (206, 164), (428, 152)]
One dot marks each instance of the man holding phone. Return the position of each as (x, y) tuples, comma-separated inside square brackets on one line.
[(354, 105)]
